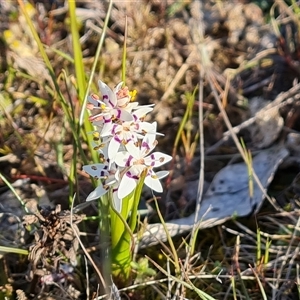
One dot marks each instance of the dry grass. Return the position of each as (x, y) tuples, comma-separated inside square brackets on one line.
[(241, 55)]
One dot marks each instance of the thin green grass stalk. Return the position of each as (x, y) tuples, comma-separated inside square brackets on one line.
[(78, 58), (244, 289), (258, 247), (59, 149), (263, 293), (27, 76), (168, 258), (237, 246), (248, 161), (38, 100), (38, 41), (296, 8), (267, 251), (4, 249), (181, 129), (189, 142), (169, 238), (232, 279), (191, 100), (62, 54), (14, 192), (187, 116), (194, 233), (80, 78), (73, 178), (250, 174), (124, 54), (10, 77), (73, 175), (68, 112), (96, 59)]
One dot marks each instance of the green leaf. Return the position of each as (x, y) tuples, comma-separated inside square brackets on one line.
[(122, 234)]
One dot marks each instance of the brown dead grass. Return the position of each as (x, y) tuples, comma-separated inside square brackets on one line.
[(163, 64)]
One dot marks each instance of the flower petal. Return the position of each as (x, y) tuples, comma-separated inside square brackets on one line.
[(121, 114), (96, 193), (127, 185), (118, 87), (94, 99), (149, 141), (157, 159), (107, 128), (162, 174), (113, 148), (96, 170), (153, 182), (142, 112), (122, 159), (109, 97), (146, 127), (116, 201), (133, 150)]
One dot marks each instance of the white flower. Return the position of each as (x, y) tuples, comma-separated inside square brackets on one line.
[(115, 104), (109, 182), (108, 106), (136, 160), (125, 132), (125, 142)]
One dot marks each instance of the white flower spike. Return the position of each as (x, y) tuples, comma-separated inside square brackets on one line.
[(135, 160), (125, 142)]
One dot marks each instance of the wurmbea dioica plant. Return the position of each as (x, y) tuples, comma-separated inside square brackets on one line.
[(125, 142)]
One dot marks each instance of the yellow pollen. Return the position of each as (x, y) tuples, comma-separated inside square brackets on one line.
[(132, 95)]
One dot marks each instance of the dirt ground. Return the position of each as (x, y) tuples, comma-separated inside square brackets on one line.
[(244, 53)]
